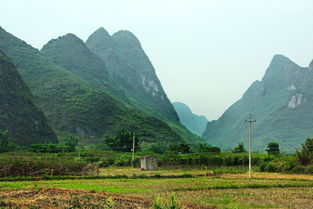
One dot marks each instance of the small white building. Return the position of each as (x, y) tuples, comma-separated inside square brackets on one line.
[(149, 163)]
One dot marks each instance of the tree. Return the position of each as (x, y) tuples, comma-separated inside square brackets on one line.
[(308, 144), (215, 150), (121, 142), (272, 148), (180, 148), (305, 156), (208, 148), (239, 149), (71, 143), (6, 143)]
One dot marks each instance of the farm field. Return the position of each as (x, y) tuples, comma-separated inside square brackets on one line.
[(202, 189)]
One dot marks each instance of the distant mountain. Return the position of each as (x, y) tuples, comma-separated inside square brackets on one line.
[(195, 123), (281, 103), (74, 106), (25, 122), (130, 67)]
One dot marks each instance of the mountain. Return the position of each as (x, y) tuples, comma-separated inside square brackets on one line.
[(71, 53), (72, 105), (18, 114), (281, 103), (195, 123), (130, 67)]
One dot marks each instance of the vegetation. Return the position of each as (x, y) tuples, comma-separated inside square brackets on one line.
[(198, 191), (122, 142), (161, 203), (272, 148), (301, 162), (44, 165), (267, 100), (239, 149), (6, 143), (74, 107), (24, 121), (305, 156)]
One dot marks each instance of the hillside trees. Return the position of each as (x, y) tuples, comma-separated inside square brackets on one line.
[(6, 143), (305, 156), (239, 149), (122, 141)]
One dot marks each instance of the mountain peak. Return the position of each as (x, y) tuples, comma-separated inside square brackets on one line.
[(311, 65), (70, 36), (101, 32), (126, 38), (68, 39), (99, 37), (280, 65), (278, 58)]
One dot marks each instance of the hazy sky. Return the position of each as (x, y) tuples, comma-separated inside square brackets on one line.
[(206, 53)]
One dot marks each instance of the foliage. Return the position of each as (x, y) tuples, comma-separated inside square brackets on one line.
[(122, 141), (6, 143), (239, 149), (71, 142), (272, 148), (25, 122), (182, 148), (159, 148), (215, 150), (50, 148), (39, 166), (308, 145), (171, 203), (75, 107), (305, 156)]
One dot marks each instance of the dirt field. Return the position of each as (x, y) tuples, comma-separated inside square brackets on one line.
[(64, 198), (200, 190)]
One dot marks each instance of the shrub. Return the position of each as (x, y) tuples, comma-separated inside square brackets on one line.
[(40, 166), (171, 203), (239, 149)]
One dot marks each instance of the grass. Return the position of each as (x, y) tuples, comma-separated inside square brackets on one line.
[(266, 190)]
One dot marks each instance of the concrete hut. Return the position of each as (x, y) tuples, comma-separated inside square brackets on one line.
[(149, 163)]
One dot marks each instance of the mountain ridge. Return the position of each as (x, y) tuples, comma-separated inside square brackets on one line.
[(131, 68), (280, 103), (19, 115), (73, 106), (195, 123)]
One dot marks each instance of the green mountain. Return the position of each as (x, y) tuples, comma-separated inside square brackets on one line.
[(25, 122), (281, 103), (194, 123), (72, 105), (130, 67), (72, 53)]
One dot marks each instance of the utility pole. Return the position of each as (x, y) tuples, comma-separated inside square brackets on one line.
[(250, 121), (133, 150)]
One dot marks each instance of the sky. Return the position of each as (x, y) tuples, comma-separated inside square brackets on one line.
[(206, 52)]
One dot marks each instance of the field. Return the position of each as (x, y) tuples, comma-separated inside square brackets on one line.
[(131, 188)]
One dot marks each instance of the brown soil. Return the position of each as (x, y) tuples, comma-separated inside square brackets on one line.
[(64, 198)]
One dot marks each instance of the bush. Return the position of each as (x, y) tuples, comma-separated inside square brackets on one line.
[(40, 166), (239, 149), (161, 203)]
